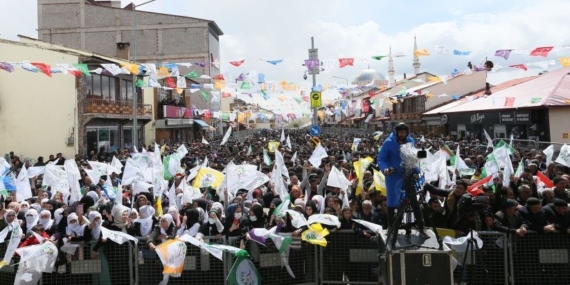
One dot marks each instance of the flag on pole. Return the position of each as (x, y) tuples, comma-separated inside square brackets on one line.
[(489, 140), (282, 135), (288, 143), (266, 158), (226, 136), (204, 141), (249, 150)]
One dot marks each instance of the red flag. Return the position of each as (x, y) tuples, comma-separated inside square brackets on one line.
[(520, 66), (43, 67), (544, 179), (237, 63), (474, 189), (345, 62), (219, 77), (509, 101), (226, 95), (170, 82), (541, 51), (75, 72)]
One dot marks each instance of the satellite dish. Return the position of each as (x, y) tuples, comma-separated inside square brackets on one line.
[(489, 65)]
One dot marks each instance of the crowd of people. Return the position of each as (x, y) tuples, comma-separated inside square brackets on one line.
[(523, 205)]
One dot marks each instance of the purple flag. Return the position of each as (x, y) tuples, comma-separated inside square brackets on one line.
[(259, 235), (504, 53), (311, 64), (6, 66)]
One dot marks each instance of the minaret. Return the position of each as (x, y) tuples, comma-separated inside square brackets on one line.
[(391, 70), (416, 58)]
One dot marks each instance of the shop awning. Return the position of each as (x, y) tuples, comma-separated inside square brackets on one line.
[(201, 124)]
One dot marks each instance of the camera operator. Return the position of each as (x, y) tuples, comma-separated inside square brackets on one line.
[(509, 219), (451, 202), (437, 213), (389, 162)]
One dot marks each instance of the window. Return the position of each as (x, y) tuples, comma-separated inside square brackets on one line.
[(102, 139), (100, 86), (398, 108), (96, 85), (419, 104), (126, 90)]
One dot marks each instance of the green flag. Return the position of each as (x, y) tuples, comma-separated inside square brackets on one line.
[(245, 85), (520, 170), (503, 143), (205, 95), (243, 272), (491, 166), (535, 100), (379, 57), (140, 83), (249, 150), (83, 68), (192, 74)]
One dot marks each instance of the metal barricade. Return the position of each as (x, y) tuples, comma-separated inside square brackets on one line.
[(302, 259), (114, 264), (348, 259), (8, 272), (486, 265), (540, 258)]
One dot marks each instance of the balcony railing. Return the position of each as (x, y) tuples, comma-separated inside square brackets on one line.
[(101, 106)]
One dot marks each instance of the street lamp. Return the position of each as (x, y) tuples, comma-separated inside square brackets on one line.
[(135, 95), (341, 78)]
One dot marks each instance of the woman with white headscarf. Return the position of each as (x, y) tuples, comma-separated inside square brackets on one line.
[(163, 231), (93, 235), (32, 219), (173, 211), (46, 221), (11, 234), (146, 221), (74, 229)]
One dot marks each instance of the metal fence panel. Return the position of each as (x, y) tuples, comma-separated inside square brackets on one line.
[(541, 259), (349, 259), (113, 265), (487, 265)]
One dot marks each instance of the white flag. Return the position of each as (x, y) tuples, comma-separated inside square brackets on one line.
[(549, 152), (288, 143), (204, 141), (294, 158), (318, 154), (116, 236), (226, 136), (489, 140), (282, 135)]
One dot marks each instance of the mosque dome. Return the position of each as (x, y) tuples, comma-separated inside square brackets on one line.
[(368, 75)]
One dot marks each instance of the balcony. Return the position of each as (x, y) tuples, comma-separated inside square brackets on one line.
[(116, 109), (406, 116)]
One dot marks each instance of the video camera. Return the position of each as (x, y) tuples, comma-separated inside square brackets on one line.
[(469, 204)]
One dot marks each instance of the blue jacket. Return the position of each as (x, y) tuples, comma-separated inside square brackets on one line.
[(389, 156)]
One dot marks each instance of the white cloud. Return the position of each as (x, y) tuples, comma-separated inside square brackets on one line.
[(271, 30)]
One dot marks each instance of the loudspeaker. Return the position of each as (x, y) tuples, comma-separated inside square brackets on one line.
[(417, 261)]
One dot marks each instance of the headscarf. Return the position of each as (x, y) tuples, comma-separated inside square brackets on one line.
[(32, 220), (258, 212), (58, 215), (173, 211), (93, 196), (230, 212), (55, 205), (192, 217), (117, 213), (219, 206), (16, 207), (74, 228), (134, 211), (169, 219), (24, 209), (36, 206), (146, 223), (320, 203), (201, 215), (96, 230), (13, 223), (312, 205), (47, 223)]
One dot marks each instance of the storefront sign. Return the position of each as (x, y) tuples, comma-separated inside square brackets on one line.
[(522, 117), (507, 118), (178, 122), (176, 112), (477, 118)]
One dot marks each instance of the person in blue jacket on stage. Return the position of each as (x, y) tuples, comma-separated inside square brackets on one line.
[(390, 163)]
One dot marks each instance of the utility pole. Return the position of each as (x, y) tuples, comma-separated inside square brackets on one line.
[(135, 95), (314, 55)]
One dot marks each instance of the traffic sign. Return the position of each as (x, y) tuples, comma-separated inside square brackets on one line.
[(316, 100), (315, 131)]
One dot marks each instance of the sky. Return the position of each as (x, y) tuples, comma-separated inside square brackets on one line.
[(258, 30)]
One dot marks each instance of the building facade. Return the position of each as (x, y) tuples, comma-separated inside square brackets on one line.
[(98, 26), (72, 114)]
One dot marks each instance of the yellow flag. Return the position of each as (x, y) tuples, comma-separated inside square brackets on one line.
[(379, 182), (132, 68), (272, 146), (240, 117), (315, 234), (158, 206), (172, 253), (421, 52), (208, 177), (163, 71), (360, 167), (219, 84), (446, 232), (163, 149), (564, 61), (321, 115)]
